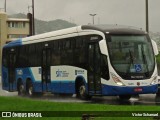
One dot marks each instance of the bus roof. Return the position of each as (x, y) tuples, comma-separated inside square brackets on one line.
[(109, 29), (115, 29)]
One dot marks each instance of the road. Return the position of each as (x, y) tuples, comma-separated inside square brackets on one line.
[(148, 99), (6, 93)]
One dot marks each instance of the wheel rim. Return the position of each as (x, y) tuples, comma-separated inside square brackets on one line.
[(21, 89), (82, 90), (30, 91)]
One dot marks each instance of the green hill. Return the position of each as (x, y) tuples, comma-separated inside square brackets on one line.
[(46, 26)]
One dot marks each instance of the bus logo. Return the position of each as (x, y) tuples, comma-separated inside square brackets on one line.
[(19, 72), (59, 73), (79, 72), (138, 83)]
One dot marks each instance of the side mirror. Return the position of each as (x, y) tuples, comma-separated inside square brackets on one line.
[(103, 47), (155, 47)]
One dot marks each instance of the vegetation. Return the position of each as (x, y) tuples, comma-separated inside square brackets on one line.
[(158, 63), (26, 104), (158, 59)]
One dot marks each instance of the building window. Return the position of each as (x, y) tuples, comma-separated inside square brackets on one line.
[(15, 24), (15, 36), (24, 24)]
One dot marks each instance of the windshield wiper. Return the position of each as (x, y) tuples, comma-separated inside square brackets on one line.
[(131, 61), (131, 57), (145, 61)]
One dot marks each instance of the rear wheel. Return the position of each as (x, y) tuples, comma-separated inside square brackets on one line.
[(158, 93), (21, 90), (124, 97), (29, 89)]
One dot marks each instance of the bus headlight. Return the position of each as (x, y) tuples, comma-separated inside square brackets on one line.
[(154, 81), (117, 80)]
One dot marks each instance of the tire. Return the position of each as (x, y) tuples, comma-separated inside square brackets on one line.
[(30, 92), (21, 90), (82, 93), (124, 97), (30, 89), (158, 92)]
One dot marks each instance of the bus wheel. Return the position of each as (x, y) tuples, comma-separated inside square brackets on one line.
[(21, 90), (124, 97), (30, 92), (29, 89), (158, 93), (81, 93)]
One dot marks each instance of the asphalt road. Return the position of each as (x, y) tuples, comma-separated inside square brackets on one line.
[(6, 93), (146, 99)]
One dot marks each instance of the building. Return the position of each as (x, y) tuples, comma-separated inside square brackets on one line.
[(12, 29)]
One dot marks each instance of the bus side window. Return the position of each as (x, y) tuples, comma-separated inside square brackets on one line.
[(104, 67), (38, 51), (56, 53), (97, 58), (4, 60)]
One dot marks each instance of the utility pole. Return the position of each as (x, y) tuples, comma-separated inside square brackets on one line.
[(5, 6), (33, 27), (147, 18), (93, 17)]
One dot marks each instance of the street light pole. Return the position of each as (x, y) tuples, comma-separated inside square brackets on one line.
[(147, 19), (33, 17), (93, 17)]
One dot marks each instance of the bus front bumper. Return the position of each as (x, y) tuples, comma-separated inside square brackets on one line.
[(119, 90)]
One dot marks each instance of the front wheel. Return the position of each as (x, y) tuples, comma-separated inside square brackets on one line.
[(82, 93), (158, 93), (124, 97)]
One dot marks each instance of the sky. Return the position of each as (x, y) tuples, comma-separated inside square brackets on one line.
[(121, 12)]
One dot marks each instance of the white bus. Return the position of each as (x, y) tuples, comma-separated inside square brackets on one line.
[(84, 60)]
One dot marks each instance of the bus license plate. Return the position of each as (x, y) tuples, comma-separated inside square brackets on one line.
[(138, 90)]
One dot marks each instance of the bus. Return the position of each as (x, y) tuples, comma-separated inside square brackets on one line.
[(87, 60)]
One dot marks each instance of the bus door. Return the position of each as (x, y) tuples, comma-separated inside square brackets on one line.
[(94, 69), (11, 70), (46, 70)]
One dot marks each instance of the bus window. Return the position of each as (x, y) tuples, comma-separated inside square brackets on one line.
[(4, 60), (104, 67)]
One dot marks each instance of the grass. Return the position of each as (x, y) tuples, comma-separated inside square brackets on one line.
[(26, 104)]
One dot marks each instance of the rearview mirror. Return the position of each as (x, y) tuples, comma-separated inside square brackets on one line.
[(103, 47)]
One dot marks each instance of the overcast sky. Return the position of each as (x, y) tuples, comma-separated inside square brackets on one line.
[(123, 12)]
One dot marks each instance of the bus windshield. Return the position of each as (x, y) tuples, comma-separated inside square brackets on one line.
[(131, 54)]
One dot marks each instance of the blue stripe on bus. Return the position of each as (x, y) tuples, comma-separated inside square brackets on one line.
[(26, 73), (68, 86), (55, 86), (14, 43)]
